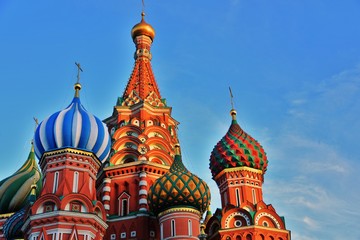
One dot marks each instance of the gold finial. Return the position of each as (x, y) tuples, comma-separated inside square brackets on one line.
[(77, 84), (177, 149), (33, 186), (232, 111)]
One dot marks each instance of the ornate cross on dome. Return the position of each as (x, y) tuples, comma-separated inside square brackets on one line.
[(79, 69)]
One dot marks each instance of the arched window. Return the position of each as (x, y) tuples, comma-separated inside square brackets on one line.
[(76, 182), (238, 199), (173, 228), (262, 237), (248, 237), (56, 182), (190, 227), (238, 238)]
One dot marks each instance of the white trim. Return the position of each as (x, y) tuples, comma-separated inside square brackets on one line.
[(106, 198), (143, 183), (143, 192), (142, 201)]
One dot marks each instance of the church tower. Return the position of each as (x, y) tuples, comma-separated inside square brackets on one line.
[(71, 145), (143, 135), (179, 199), (238, 164)]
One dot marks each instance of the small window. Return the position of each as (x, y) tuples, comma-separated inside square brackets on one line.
[(254, 196), (123, 235), (133, 234), (237, 223), (76, 182), (75, 207), (190, 228), (152, 233), (49, 207), (237, 195), (56, 182), (113, 236), (173, 228)]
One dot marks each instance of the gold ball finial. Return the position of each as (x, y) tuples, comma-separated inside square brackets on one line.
[(77, 88), (143, 28), (233, 114), (177, 149)]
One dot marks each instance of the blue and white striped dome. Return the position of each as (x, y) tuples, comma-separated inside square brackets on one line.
[(73, 127)]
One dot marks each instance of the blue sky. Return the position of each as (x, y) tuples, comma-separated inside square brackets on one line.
[(293, 66)]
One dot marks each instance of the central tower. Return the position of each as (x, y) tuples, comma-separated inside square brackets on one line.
[(143, 140)]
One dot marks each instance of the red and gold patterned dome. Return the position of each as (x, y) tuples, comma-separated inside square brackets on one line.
[(178, 188), (237, 149), (143, 28)]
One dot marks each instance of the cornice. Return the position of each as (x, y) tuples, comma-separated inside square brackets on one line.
[(179, 209), (227, 170)]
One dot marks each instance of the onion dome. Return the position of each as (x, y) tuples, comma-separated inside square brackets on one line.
[(12, 226), (237, 149), (178, 188), (73, 127), (15, 190), (143, 28)]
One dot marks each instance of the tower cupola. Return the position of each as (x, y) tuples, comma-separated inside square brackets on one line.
[(143, 28), (178, 188), (73, 127), (237, 149)]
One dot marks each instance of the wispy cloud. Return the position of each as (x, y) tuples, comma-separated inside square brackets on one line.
[(317, 187)]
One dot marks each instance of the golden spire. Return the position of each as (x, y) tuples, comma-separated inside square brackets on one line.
[(232, 111), (77, 85)]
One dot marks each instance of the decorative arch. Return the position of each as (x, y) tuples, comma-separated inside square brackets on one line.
[(152, 131), (122, 155), (123, 131), (121, 143), (72, 198), (47, 198), (162, 143), (156, 155), (268, 217), (235, 218)]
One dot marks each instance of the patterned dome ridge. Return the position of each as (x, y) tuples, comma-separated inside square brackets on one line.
[(73, 127), (178, 187), (237, 149), (15, 189)]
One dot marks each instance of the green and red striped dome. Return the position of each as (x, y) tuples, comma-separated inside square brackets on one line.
[(178, 188), (237, 149)]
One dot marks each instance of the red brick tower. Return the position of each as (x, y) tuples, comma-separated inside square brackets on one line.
[(238, 164), (143, 138), (71, 144)]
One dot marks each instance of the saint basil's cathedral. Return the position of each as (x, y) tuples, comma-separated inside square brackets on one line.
[(124, 178)]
